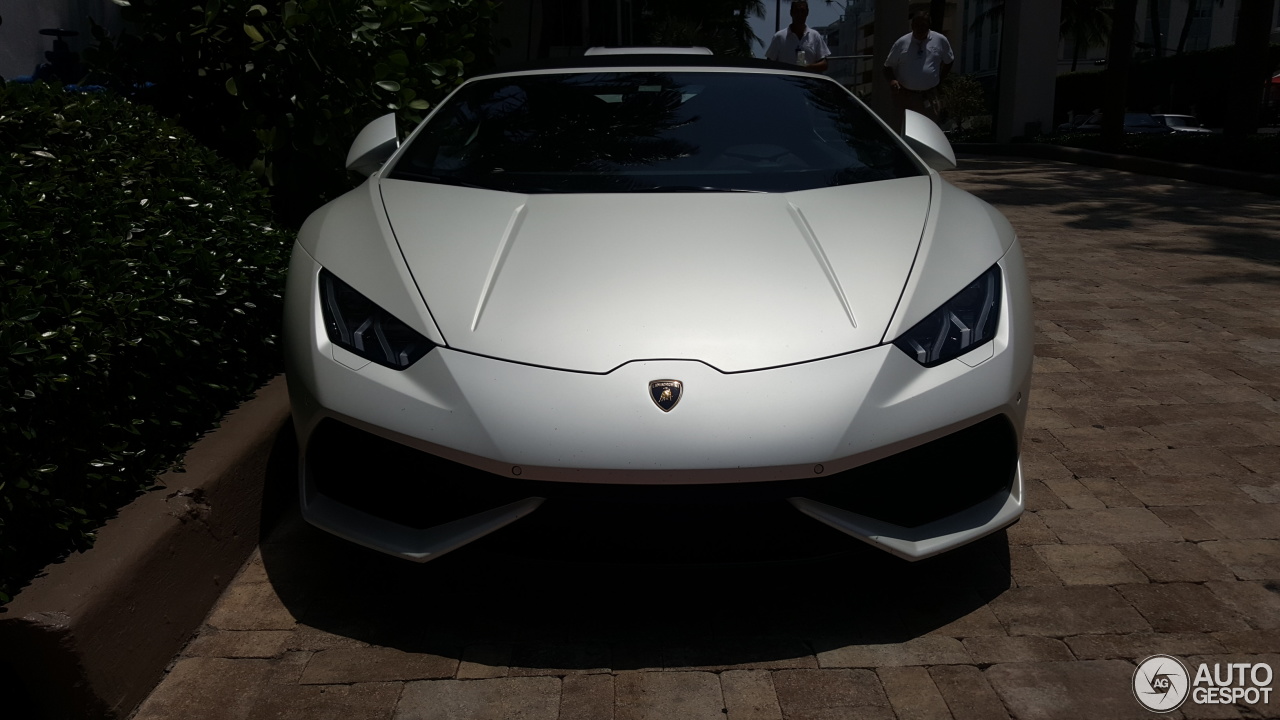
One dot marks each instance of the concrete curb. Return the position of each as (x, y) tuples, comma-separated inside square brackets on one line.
[(93, 636), (1256, 182)]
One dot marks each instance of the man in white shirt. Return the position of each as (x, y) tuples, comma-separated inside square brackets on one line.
[(917, 63), (799, 44)]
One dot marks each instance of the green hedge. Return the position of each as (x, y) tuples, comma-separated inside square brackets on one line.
[(140, 286), (284, 87)]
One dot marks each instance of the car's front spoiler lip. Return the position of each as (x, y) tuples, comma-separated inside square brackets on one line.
[(420, 545), (1000, 510)]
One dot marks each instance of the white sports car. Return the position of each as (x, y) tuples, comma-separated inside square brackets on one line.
[(629, 272)]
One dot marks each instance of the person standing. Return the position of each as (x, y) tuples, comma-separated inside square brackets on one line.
[(798, 43), (917, 64)]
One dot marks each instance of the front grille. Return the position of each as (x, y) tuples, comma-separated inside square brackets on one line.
[(419, 490)]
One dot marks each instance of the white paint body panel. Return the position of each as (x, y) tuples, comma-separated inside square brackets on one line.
[(589, 282)]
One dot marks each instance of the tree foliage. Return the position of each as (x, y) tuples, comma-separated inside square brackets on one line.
[(140, 288), (724, 26), (284, 87)]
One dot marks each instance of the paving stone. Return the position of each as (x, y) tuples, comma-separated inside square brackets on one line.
[(1257, 602), (662, 695), (1063, 611), (1028, 568), (1073, 494), (586, 697), (289, 668), (1181, 607), (1261, 490), (1203, 435), (307, 637), (1175, 562), (1067, 690), (1094, 438), (559, 659), (1030, 530), (1112, 525), (238, 643), (1243, 522), (741, 654), (1218, 663), (750, 695), (830, 694), (1160, 490), (1187, 523), (912, 694), (1252, 642), (363, 701), (524, 698), (485, 660), (1111, 492), (1089, 564), (207, 689), (1261, 460), (967, 693), (251, 606), (1136, 646), (1248, 559), (929, 650), (992, 650), (375, 664), (1098, 464), (979, 621)]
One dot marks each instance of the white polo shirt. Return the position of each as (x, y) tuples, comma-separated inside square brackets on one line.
[(918, 65), (785, 43)]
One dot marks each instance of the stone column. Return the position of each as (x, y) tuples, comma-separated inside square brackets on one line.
[(1028, 67)]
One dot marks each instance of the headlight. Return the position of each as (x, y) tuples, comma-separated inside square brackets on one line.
[(962, 323), (356, 324)]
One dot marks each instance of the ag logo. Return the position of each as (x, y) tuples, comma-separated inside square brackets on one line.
[(665, 393), (1161, 683)]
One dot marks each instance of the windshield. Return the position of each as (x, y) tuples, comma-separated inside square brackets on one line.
[(644, 131)]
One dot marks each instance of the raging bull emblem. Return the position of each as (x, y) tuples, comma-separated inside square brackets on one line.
[(665, 393)]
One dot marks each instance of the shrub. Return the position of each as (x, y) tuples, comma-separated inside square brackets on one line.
[(284, 90), (139, 299)]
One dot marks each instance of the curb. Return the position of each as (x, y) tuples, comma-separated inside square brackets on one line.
[(1238, 179), (92, 636)]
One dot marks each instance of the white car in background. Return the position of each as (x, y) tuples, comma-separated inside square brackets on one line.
[(1182, 123), (635, 274)]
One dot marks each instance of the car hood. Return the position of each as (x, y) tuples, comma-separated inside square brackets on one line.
[(739, 281)]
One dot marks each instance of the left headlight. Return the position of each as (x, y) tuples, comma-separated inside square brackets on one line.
[(355, 323), (962, 323)]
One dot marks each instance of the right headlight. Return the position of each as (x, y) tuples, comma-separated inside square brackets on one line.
[(962, 323), (355, 323)]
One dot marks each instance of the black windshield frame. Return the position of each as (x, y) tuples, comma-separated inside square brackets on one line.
[(641, 130)]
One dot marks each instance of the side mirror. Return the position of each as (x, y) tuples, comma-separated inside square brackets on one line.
[(375, 143), (927, 140)]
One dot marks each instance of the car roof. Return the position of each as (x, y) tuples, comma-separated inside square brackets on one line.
[(637, 58)]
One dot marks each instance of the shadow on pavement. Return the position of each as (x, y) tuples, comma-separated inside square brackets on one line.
[(1215, 221), (720, 591)]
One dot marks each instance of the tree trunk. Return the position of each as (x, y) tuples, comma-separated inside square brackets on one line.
[(1157, 37), (1250, 71), (1119, 60), (1186, 24)]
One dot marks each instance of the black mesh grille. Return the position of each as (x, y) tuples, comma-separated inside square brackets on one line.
[(417, 489)]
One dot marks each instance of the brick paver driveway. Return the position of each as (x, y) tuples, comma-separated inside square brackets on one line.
[(1153, 462)]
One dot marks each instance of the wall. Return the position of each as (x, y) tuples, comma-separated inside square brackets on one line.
[(21, 45)]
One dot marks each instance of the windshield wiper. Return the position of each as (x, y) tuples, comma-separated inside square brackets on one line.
[(692, 188), (438, 180)]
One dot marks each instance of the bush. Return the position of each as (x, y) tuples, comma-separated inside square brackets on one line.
[(285, 90), (140, 293)]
